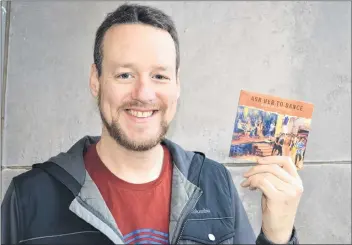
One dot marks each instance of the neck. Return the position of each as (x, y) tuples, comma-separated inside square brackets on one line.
[(131, 166)]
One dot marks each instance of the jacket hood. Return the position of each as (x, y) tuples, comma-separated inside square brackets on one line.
[(72, 161)]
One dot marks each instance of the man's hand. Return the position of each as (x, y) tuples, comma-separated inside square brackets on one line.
[(277, 178)]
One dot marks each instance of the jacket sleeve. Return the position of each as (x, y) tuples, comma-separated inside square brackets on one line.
[(244, 231), (10, 217), (263, 240)]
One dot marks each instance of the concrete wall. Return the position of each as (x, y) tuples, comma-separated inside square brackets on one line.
[(298, 50)]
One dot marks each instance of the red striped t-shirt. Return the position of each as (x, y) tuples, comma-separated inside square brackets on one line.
[(141, 211)]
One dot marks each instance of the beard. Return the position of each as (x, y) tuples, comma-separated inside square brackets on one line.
[(120, 136)]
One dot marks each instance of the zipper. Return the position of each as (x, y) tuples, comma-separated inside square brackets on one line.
[(102, 219), (191, 205), (183, 228)]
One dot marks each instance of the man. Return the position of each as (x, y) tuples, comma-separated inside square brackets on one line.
[(276, 145), (280, 144), (131, 185), (300, 148)]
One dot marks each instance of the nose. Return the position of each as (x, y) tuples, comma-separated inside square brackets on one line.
[(144, 90)]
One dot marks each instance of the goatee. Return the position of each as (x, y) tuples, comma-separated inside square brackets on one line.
[(117, 133)]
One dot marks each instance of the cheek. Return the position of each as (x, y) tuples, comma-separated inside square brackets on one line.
[(171, 106), (112, 100)]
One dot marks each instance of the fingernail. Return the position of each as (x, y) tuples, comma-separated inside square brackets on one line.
[(247, 174), (244, 183)]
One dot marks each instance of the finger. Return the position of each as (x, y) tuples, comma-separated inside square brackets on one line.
[(261, 182), (281, 187), (285, 162), (255, 180), (272, 169)]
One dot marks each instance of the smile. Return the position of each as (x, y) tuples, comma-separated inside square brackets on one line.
[(140, 114)]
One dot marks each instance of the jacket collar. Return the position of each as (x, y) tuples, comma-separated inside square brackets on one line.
[(72, 160), (90, 206)]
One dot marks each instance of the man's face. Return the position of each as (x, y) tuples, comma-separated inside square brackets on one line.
[(138, 88)]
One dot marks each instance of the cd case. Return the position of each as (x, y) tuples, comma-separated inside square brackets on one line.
[(267, 125)]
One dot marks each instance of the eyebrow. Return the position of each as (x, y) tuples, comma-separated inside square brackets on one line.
[(118, 65), (130, 65), (162, 68)]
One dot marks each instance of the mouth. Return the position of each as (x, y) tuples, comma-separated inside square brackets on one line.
[(141, 114)]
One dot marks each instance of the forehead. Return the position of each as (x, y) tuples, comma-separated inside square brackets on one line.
[(139, 44)]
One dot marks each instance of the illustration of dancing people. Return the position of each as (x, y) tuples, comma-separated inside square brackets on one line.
[(300, 150), (279, 142)]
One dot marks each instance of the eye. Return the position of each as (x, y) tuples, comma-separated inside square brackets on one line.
[(160, 77), (123, 76)]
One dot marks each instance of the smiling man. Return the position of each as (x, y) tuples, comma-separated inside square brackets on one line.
[(132, 185)]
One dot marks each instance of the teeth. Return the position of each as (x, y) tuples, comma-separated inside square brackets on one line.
[(141, 114)]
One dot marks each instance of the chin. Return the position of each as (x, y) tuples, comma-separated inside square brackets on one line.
[(141, 145), (139, 141), (136, 138), (144, 139)]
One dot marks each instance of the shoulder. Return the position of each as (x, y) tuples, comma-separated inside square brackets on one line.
[(216, 174), (214, 166), (25, 188), (29, 178), (33, 183)]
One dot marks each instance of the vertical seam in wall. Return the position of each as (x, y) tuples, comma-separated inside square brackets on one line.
[(4, 50)]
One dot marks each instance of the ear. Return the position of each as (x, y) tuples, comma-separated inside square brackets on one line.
[(94, 83), (178, 83)]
